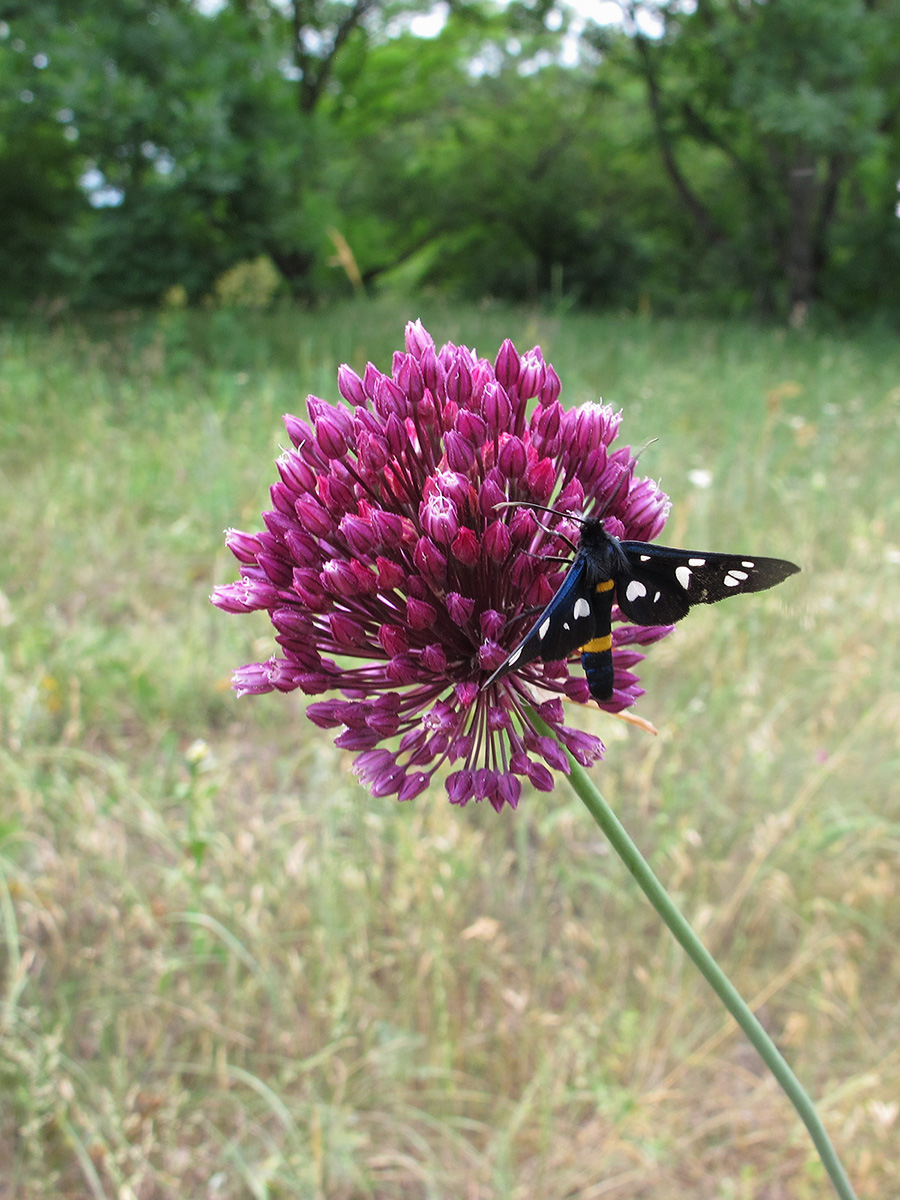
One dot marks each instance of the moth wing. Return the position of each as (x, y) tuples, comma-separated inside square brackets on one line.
[(566, 624), (662, 584)]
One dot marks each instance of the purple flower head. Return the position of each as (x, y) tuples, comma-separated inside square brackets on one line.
[(399, 566)]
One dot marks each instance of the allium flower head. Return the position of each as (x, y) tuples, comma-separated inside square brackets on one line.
[(388, 543)]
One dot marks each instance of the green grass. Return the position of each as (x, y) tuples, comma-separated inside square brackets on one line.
[(228, 972)]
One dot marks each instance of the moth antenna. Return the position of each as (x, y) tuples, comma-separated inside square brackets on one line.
[(541, 508), (551, 557)]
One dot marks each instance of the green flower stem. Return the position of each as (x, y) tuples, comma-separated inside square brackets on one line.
[(709, 968)]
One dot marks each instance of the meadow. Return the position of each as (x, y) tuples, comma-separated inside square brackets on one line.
[(229, 972)]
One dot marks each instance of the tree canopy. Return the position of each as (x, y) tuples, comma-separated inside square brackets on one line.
[(742, 155)]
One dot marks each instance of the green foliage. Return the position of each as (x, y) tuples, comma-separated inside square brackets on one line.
[(250, 284), (746, 159), (792, 104)]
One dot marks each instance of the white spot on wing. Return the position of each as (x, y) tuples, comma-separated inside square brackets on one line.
[(645, 558), (748, 564), (542, 632), (656, 597), (698, 562), (581, 609), (514, 657), (635, 590), (683, 575), (738, 574), (730, 580)]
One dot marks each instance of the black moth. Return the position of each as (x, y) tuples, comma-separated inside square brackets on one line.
[(652, 585)]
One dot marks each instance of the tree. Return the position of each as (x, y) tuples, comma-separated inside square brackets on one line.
[(765, 112)]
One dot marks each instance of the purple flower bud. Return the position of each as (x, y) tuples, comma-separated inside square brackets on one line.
[(532, 373), (303, 548), (283, 498), (420, 614), (550, 388), (418, 340), (459, 384), (410, 381), (276, 568), (541, 478), (295, 473), (550, 751), (546, 423), (466, 693), (490, 496), (460, 452), (465, 548), (312, 516), (351, 386), (246, 595), (540, 777), (550, 711), (434, 659), (347, 632), (460, 787), (433, 373), (337, 579), (491, 623), (439, 519), (390, 575), (298, 431), (460, 609), (429, 561), (327, 714), (307, 585), (390, 400), (472, 427), (393, 639), (512, 459), (330, 439), (360, 534), (254, 679), (497, 409), (490, 655), (507, 365), (508, 791), (645, 511), (402, 669), (244, 546), (497, 542), (414, 783)]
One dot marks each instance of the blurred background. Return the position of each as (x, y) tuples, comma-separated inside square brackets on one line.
[(226, 971)]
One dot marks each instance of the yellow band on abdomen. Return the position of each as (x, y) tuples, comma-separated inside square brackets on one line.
[(605, 585), (597, 645)]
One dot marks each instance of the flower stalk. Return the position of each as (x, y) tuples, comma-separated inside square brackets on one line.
[(631, 856)]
